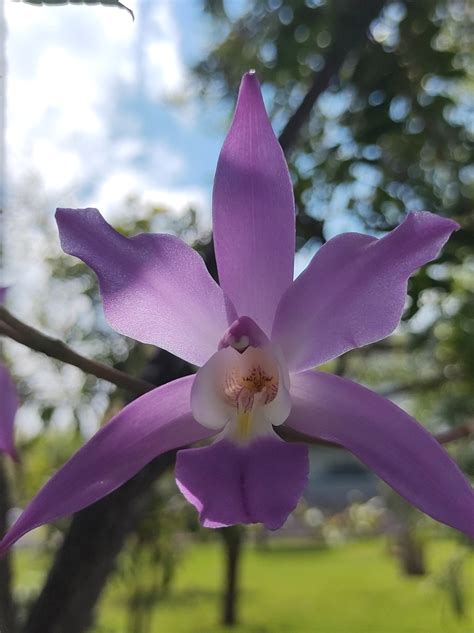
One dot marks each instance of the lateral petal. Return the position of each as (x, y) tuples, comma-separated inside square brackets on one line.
[(398, 449), (155, 288), (353, 291), (157, 422)]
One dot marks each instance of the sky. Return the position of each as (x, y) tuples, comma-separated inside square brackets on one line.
[(92, 106)]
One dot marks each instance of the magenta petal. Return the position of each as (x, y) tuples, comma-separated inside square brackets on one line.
[(209, 478), (387, 440), (230, 484), (155, 288), (8, 407), (153, 424), (353, 291), (253, 211)]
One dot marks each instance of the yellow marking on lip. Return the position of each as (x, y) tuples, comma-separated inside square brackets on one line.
[(244, 424)]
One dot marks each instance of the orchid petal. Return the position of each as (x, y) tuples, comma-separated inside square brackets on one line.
[(210, 479), (155, 423), (387, 440), (253, 211), (8, 408), (208, 403), (353, 291), (155, 288), (256, 483), (8, 405)]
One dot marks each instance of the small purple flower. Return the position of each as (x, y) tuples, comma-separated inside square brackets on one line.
[(255, 340), (8, 405)]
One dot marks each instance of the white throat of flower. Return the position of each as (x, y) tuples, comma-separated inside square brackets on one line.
[(243, 393)]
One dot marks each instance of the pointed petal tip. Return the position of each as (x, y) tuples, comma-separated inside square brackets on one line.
[(250, 89), (437, 223), (6, 543), (64, 212), (61, 214), (70, 220), (250, 77)]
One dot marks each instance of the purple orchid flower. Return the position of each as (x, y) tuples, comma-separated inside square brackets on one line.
[(255, 339), (8, 406)]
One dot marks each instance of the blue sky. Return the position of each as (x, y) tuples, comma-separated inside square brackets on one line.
[(91, 104)]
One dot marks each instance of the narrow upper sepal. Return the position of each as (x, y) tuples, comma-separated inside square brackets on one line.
[(155, 288), (353, 291), (253, 211)]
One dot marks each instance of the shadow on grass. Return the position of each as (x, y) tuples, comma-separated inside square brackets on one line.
[(189, 597), (293, 548)]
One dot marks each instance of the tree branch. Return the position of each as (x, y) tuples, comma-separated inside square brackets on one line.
[(414, 385), (318, 85), (54, 348), (290, 435), (353, 21)]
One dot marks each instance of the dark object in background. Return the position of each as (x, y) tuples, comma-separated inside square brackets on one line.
[(106, 3)]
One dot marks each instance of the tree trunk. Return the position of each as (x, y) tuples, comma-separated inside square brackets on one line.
[(411, 553), (87, 556), (232, 537), (7, 609)]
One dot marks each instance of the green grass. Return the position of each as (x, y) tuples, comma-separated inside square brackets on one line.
[(354, 588)]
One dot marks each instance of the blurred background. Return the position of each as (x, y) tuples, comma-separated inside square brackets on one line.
[(373, 103)]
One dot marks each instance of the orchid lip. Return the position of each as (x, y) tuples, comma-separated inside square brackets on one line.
[(249, 386), (242, 390)]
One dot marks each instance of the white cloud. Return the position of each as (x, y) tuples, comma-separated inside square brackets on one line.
[(115, 187), (64, 67), (165, 68)]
